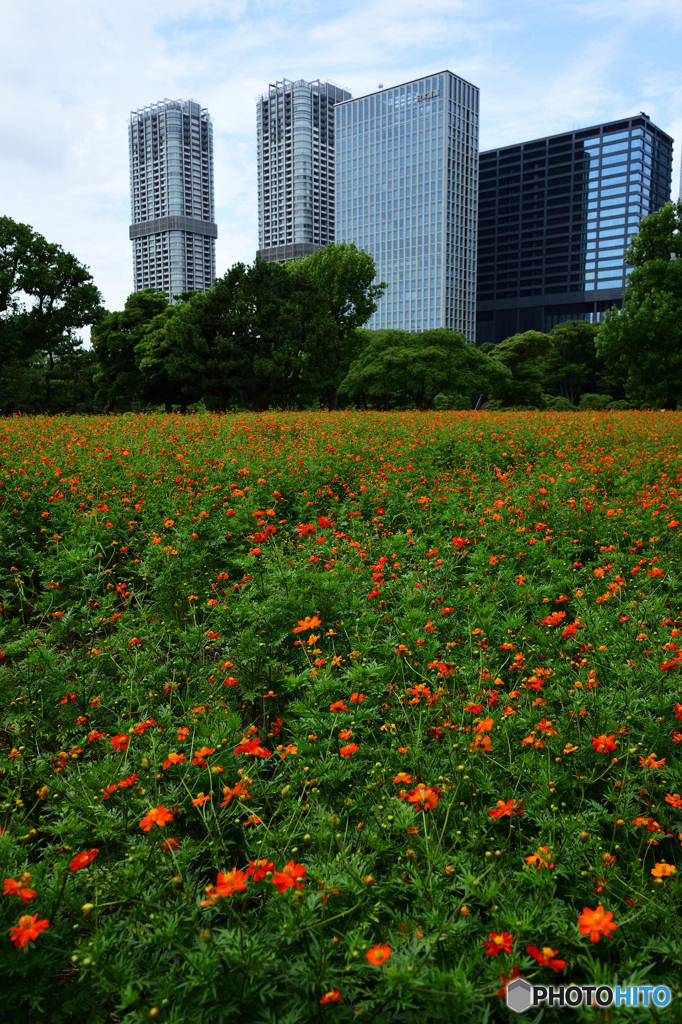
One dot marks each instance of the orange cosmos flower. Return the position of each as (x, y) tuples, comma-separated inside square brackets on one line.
[(81, 860), (156, 816), (333, 996), (289, 877), (675, 799), (307, 623), (338, 706), (650, 761), (546, 727), (258, 869), (485, 725), (541, 858), (554, 619), (546, 958), (226, 885), (378, 954), (173, 758), (28, 929), (20, 888), (596, 923), (183, 733), (129, 781), (200, 799), (240, 790), (506, 808), (663, 870), (403, 777), (349, 749), (500, 942), (356, 698), (482, 743), (120, 742), (603, 743), (423, 796), (201, 755)]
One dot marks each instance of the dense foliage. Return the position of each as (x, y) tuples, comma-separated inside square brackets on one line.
[(307, 717), (645, 338)]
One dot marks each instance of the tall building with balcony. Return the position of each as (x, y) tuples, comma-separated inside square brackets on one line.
[(406, 192), (555, 219), (173, 227), (295, 148)]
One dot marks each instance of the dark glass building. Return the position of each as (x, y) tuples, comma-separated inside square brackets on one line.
[(555, 217)]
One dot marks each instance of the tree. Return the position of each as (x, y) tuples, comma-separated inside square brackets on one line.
[(421, 366), (340, 276), (523, 354), (118, 378), (645, 337), (46, 295), (571, 365)]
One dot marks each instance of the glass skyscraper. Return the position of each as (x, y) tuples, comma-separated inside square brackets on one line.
[(295, 149), (173, 227), (406, 192), (555, 218)]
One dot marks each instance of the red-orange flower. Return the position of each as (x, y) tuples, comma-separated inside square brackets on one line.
[(81, 860), (240, 789), (307, 623), (500, 942), (28, 929), (378, 954), (333, 996), (258, 869), (120, 742), (674, 799), (596, 923), (289, 877), (542, 858), (423, 796), (663, 870), (200, 799), (546, 957), (173, 758), (20, 888), (349, 749), (156, 816), (506, 808), (650, 761), (201, 755), (403, 777), (226, 885), (603, 743)]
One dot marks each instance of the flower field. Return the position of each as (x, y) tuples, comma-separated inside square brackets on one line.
[(317, 717)]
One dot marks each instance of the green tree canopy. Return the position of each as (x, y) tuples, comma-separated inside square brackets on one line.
[(402, 364), (524, 356), (46, 295), (645, 337), (119, 381), (341, 297)]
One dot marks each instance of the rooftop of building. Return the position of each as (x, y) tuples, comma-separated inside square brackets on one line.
[(622, 124)]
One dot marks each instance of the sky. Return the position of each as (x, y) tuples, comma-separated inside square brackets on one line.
[(72, 72)]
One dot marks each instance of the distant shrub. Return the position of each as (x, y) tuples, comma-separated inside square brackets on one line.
[(595, 402)]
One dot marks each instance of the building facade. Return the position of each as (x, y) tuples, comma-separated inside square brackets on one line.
[(173, 227), (406, 187), (295, 150), (555, 218)]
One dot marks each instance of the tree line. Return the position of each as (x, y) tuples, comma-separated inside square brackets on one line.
[(292, 336)]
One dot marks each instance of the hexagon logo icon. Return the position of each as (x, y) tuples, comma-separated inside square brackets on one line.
[(519, 995)]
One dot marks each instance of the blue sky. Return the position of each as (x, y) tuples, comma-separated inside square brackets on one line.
[(71, 73)]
